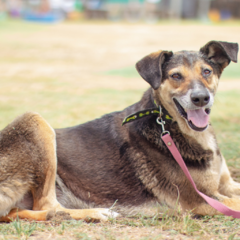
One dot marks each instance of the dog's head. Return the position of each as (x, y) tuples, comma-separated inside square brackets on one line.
[(185, 82)]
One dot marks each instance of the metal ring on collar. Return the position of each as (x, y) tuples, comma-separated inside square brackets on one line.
[(161, 122)]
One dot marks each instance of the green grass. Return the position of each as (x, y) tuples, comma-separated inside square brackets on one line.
[(127, 72), (18, 26), (61, 104), (140, 227), (231, 72), (225, 118)]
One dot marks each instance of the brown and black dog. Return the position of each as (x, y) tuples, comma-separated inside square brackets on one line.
[(102, 161)]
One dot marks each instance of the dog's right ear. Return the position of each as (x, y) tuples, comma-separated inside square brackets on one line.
[(150, 67)]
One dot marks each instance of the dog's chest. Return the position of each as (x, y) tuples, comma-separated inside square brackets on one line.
[(156, 167), (196, 153)]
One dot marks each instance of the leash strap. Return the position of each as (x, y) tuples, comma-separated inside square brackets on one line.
[(212, 202)]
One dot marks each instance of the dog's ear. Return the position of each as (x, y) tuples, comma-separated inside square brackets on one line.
[(150, 67), (221, 53)]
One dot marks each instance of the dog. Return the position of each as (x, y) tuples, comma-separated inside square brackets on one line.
[(84, 170)]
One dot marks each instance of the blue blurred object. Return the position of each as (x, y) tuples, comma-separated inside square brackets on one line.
[(43, 17), (225, 14)]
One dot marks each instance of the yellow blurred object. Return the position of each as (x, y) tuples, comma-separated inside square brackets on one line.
[(74, 15), (214, 15)]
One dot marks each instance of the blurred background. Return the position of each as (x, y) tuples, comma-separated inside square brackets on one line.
[(131, 10), (74, 60)]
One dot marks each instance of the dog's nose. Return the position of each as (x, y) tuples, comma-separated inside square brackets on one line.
[(200, 98)]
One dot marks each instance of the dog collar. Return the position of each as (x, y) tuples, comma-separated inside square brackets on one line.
[(147, 112)]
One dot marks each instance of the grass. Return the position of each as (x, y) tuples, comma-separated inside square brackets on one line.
[(38, 74), (12, 27), (78, 108), (24, 230), (138, 227), (225, 118)]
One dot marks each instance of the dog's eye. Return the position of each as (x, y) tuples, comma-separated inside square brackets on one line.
[(207, 71), (176, 76)]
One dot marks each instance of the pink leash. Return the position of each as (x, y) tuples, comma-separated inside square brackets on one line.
[(176, 154), (212, 202)]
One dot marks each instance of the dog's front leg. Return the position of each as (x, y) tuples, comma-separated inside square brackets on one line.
[(197, 205), (225, 190), (227, 185), (205, 209), (190, 200)]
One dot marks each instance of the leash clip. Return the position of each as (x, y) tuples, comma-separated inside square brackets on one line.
[(160, 121)]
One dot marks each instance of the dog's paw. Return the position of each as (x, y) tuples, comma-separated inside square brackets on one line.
[(102, 214)]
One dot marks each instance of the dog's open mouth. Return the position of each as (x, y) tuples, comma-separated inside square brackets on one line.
[(197, 119)]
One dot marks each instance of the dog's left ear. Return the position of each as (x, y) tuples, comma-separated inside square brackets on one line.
[(221, 53), (150, 67)]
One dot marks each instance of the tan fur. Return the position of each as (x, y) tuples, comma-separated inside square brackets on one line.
[(29, 163), (155, 55)]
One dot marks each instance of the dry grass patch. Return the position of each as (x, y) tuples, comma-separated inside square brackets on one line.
[(136, 228)]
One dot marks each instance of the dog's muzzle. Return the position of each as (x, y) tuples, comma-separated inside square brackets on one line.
[(194, 107)]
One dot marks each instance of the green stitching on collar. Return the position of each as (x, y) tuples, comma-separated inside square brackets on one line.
[(168, 117), (140, 114), (145, 113)]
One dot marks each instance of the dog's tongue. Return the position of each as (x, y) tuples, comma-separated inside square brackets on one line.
[(198, 117)]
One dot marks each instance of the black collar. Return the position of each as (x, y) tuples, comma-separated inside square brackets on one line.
[(148, 112)]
